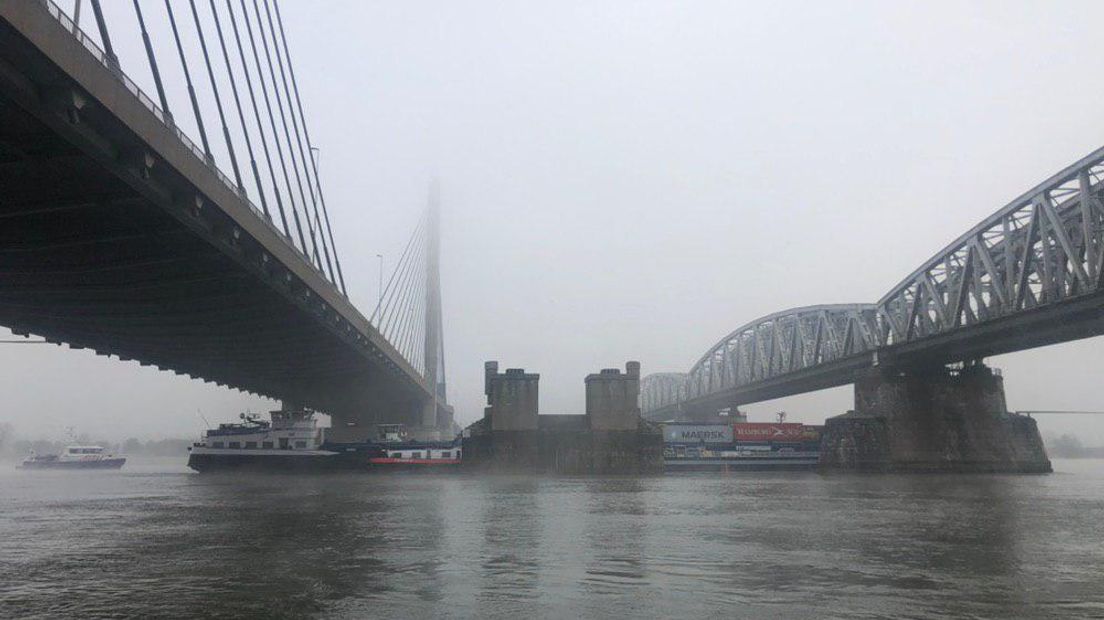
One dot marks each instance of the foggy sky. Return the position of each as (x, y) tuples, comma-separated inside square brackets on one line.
[(634, 180)]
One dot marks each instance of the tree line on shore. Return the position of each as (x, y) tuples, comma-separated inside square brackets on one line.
[(1070, 447), (12, 446)]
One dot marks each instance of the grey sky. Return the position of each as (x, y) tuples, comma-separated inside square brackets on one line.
[(632, 180)]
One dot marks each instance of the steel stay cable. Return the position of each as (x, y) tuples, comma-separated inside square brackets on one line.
[(302, 153), (275, 136), (257, 113), (409, 320), (152, 61), (418, 340), (188, 80), (403, 291), (417, 327), (218, 99), (392, 283), (279, 148), (394, 298), (380, 311), (306, 134), (237, 104)]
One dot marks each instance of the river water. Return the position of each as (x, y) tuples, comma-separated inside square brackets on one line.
[(156, 541)]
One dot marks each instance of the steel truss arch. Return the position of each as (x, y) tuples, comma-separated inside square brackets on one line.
[(769, 347), (1039, 251), (1044, 247)]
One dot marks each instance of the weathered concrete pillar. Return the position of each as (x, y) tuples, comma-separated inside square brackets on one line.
[(613, 399), (935, 421), (358, 403), (512, 398), (506, 439)]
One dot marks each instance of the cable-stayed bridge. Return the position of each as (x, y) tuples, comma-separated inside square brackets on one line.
[(212, 258)]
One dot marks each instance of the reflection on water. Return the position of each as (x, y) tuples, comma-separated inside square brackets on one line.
[(153, 540)]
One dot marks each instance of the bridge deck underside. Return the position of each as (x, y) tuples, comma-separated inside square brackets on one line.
[(89, 259)]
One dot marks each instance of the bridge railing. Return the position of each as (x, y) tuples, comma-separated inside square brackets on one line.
[(100, 55)]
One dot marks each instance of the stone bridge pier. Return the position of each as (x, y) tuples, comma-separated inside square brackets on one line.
[(358, 403), (936, 420)]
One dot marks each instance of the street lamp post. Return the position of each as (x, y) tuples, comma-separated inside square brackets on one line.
[(379, 287)]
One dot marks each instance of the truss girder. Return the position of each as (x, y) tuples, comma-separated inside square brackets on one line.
[(767, 348), (1043, 248)]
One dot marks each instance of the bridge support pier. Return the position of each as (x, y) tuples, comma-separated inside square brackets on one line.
[(933, 421)]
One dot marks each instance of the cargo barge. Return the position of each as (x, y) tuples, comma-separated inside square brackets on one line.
[(293, 441), (742, 446)]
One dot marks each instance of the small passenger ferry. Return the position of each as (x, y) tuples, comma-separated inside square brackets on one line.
[(291, 441), (74, 457)]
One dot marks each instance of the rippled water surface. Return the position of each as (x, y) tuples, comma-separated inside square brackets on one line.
[(154, 540)]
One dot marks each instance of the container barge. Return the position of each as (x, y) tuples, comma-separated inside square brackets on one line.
[(293, 441), (742, 446)]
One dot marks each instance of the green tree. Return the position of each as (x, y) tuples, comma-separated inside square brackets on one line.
[(1067, 447)]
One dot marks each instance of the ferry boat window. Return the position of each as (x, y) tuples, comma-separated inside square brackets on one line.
[(267, 445), (235, 444), (217, 444), (396, 455), (300, 444), (251, 445), (446, 455), (415, 455), (283, 443)]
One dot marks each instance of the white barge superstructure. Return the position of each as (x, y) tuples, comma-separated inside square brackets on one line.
[(292, 441)]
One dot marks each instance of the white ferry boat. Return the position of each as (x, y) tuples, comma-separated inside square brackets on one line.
[(74, 457), (291, 441)]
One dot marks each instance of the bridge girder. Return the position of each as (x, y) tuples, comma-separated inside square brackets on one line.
[(1028, 275)]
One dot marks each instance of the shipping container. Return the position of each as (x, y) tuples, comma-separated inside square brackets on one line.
[(697, 433), (769, 432)]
